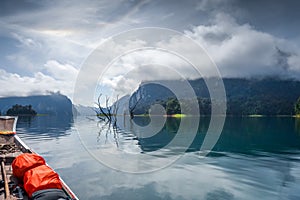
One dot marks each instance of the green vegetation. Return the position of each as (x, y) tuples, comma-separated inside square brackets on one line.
[(179, 115), (172, 106), (21, 110), (297, 107), (244, 97), (254, 107)]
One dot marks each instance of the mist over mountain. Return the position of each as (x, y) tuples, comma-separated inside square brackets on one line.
[(53, 104)]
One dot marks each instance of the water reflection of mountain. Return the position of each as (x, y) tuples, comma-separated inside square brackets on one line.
[(269, 134), (46, 127), (240, 135), (297, 125)]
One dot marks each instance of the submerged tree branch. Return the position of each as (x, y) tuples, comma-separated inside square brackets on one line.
[(107, 113)]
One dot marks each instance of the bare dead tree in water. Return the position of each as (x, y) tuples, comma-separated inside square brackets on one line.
[(108, 115), (101, 114)]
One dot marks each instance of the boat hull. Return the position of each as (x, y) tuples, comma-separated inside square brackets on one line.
[(11, 146)]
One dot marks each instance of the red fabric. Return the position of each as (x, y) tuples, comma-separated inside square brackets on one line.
[(41, 178), (25, 162)]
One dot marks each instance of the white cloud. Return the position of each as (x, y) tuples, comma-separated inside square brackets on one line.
[(127, 72), (240, 50), (26, 41), (294, 63), (16, 85), (60, 71)]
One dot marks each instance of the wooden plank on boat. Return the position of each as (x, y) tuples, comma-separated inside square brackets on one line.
[(4, 178), (6, 139)]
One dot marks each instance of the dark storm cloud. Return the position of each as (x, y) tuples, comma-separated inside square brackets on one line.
[(278, 17)]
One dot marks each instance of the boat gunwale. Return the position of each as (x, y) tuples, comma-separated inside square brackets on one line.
[(27, 149), (24, 148)]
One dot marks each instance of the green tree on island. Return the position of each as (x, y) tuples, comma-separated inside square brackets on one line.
[(297, 107), (172, 106), (21, 110)]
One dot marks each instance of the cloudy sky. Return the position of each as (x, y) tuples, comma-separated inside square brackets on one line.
[(45, 43)]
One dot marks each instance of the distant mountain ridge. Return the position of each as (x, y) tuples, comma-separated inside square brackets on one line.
[(84, 110), (269, 96), (52, 104)]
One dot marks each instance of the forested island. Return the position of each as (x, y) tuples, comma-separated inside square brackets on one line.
[(19, 110), (54, 104)]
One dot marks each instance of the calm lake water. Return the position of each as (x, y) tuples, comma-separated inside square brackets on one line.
[(254, 158)]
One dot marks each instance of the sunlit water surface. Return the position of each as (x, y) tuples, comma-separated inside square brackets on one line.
[(255, 158)]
